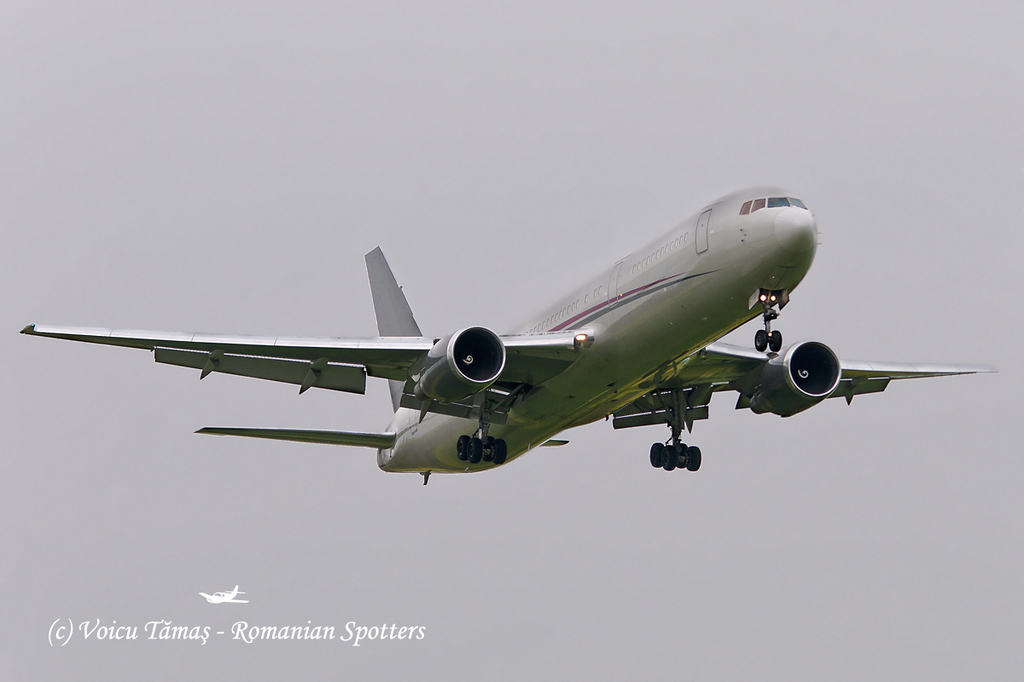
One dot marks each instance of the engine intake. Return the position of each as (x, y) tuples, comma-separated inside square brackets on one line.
[(459, 365), (800, 377)]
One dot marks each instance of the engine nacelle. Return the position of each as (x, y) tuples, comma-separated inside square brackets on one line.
[(800, 377), (459, 365)]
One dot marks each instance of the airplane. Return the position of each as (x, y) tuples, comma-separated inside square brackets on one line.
[(639, 344), (225, 597)]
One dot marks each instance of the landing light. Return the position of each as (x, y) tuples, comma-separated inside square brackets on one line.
[(764, 297)]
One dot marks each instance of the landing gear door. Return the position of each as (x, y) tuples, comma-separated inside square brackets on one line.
[(702, 231)]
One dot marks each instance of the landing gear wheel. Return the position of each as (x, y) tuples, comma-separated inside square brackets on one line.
[(488, 448), (680, 450), (761, 340), (775, 341), (692, 458), (476, 450), (462, 448), (657, 451), (671, 458), (500, 451)]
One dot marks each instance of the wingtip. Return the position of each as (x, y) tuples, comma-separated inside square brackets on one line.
[(29, 329)]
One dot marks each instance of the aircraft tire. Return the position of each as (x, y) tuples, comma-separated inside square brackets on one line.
[(476, 450), (775, 341), (656, 455), (500, 451), (671, 456), (488, 448), (692, 458), (761, 340), (462, 448)]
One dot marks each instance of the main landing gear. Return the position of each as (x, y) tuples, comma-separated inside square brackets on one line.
[(481, 447), (487, 449), (766, 338), (675, 454)]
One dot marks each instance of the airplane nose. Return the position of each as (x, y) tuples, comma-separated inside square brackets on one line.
[(795, 230)]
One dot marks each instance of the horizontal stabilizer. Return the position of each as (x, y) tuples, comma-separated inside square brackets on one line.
[(354, 438)]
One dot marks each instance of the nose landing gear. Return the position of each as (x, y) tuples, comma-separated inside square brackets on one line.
[(766, 338)]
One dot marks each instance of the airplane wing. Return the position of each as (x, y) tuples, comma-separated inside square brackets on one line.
[(310, 362), (687, 384)]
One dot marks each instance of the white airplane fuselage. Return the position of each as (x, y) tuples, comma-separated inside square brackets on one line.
[(658, 305)]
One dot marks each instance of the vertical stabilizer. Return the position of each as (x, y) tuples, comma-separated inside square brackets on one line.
[(394, 316)]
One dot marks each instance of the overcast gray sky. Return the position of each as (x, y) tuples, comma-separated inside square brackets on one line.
[(201, 166)]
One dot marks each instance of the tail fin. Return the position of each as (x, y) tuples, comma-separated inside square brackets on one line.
[(394, 316)]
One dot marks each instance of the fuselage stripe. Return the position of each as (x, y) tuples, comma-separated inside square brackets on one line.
[(628, 297)]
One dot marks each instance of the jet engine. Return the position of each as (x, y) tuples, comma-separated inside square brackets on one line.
[(459, 365), (800, 377)]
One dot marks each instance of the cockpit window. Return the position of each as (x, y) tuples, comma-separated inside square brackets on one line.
[(772, 202)]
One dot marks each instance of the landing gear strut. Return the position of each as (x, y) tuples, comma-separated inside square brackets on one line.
[(675, 454), (766, 338)]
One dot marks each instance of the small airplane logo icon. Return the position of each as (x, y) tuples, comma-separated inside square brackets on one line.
[(225, 597)]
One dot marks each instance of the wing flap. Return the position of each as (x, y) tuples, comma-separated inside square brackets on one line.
[(532, 359), (353, 438), (690, 415), (316, 374), (848, 388)]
